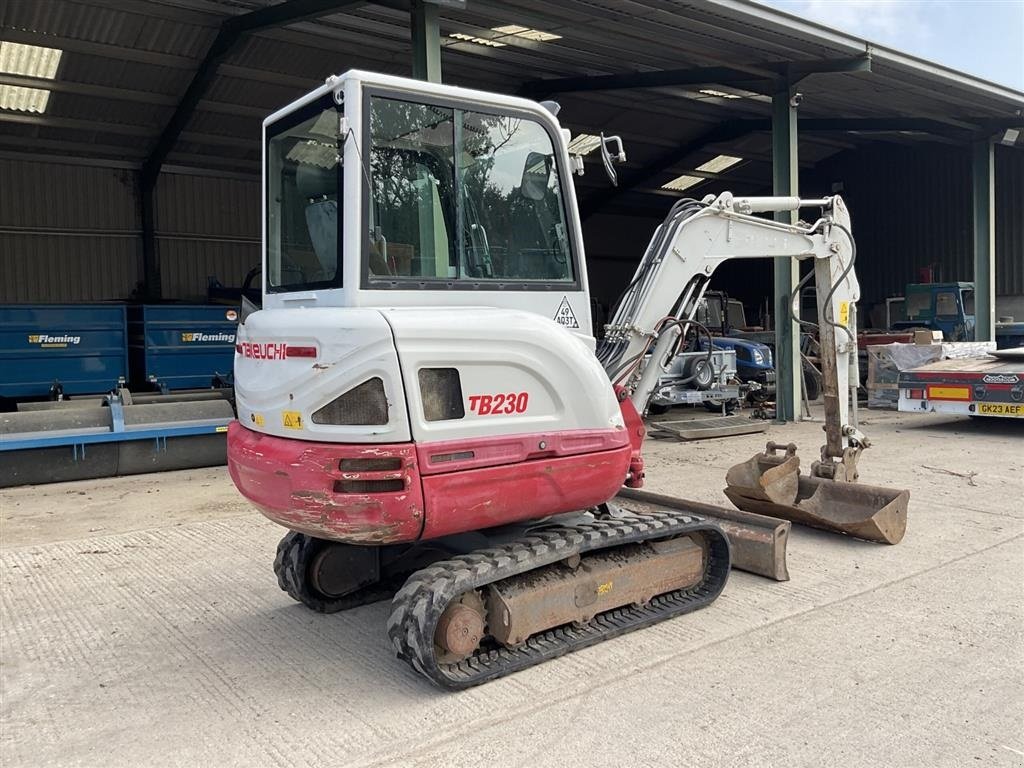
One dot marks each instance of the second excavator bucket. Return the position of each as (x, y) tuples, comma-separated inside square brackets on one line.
[(866, 512), (767, 476)]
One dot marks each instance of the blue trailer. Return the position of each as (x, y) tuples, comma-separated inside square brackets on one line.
[(181, 346), (48, 350)]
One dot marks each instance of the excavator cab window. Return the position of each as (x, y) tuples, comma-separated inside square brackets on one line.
[(462, 196), (412, 172), (303, 178)]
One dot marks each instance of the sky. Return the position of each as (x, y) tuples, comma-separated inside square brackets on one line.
[(984, 38)]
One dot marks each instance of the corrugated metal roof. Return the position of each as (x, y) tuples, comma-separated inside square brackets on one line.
[(127, 63)]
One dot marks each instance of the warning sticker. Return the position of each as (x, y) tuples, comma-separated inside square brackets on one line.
[(565, 316), (291, 419), (844, 313)]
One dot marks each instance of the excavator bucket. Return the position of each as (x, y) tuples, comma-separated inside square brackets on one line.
[(767, 476), (770, 484)]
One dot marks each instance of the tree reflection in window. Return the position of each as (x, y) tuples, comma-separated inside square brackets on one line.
[(508, 209)]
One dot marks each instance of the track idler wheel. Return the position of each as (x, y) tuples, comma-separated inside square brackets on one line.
[(460, 628), (327, 576)]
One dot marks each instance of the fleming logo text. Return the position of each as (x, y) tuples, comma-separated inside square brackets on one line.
[(194, 337)]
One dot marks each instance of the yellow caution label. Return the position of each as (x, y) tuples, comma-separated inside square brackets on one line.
[(604, 589), (291, 419), (844, 313), (257, 419)]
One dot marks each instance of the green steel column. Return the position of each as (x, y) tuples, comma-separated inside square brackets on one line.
[(426, 41), (150, 273), (984, 190), (785, 182)]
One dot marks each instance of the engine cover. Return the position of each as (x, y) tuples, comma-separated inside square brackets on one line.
[(355, 375)]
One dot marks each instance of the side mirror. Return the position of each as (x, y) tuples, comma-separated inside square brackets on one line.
[(536, 174), (608, 159)]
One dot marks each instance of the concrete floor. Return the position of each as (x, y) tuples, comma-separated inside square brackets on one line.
[(142, 626)]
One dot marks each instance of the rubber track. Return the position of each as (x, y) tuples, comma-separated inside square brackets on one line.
[(294, 554), (418, 605)]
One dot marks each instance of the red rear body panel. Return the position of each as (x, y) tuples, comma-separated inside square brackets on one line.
[(392, 493)]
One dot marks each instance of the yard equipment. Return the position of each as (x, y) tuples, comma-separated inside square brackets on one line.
[(66, 412), (420, 402), (705, 378), (949, 307), (112, 435), (57, 350), (992, 385), (754, 364), (173, 347)]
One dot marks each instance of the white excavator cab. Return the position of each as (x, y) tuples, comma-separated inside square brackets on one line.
[(386, 191)]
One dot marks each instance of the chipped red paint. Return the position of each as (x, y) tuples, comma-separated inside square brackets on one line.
[(506, 479), (296, 484)]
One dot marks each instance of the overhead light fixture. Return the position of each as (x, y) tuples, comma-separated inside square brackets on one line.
[(527, 33), (714, 165), (1010, 136), (29, 61), (478, 40), (584, 144), (719, 94)]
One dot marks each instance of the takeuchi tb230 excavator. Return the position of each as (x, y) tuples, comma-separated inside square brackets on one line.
[(421, 400)]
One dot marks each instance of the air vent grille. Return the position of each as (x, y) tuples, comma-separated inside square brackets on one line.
[(368, 486), (364, 405), (378, 464)]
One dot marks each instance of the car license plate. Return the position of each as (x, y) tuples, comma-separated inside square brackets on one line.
[(1001, 409)]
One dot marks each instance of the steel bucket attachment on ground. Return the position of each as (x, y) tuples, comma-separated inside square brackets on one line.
[(767, 476), (864, 511)]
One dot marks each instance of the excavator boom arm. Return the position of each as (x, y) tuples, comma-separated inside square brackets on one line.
[(661, 301)]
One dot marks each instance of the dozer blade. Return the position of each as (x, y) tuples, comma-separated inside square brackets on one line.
[(767, 476), (758, 542), (864, 511)]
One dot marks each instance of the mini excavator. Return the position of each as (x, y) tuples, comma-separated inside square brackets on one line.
[(421, 399)]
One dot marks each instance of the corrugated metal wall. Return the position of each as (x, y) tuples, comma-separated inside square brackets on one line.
[(1009, 221), (71, 233), (911, 208), (206, 227), (67, 232)]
